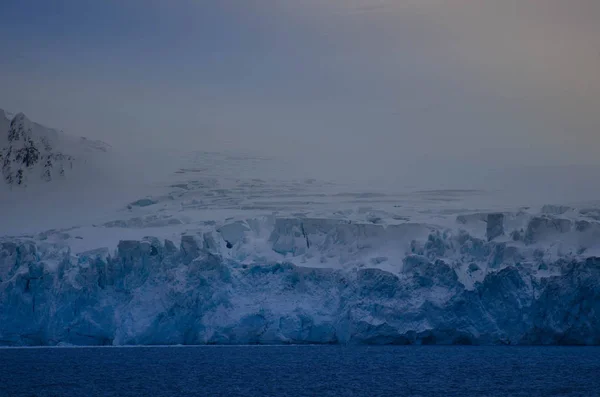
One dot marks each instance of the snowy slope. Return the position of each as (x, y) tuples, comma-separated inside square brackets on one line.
[(73, 179), (31, 153), (198, 247)]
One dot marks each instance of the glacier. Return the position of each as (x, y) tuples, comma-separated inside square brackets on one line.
[(490, 278), (224, 250)]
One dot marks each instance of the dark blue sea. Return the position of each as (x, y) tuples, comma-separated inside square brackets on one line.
[(301, 371)]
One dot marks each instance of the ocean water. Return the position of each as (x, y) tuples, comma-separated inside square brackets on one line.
[(301, 371)]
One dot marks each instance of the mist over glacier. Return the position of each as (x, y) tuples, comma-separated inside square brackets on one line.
[(394, 94)]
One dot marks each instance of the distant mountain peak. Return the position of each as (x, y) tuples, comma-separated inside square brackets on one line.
[(30, 152), (20, 117)]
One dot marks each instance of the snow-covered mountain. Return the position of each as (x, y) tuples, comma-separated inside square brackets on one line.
[(220, 250), (31, 153)]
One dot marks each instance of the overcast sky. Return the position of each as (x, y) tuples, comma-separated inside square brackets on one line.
[(366, 87)]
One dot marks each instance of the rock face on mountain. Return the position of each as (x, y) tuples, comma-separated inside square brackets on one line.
[(32, 153), (29, 156)]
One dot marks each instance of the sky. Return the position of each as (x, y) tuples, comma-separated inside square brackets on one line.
[(385, 90)]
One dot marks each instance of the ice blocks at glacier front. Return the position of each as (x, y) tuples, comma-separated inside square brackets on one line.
[(524, 279)]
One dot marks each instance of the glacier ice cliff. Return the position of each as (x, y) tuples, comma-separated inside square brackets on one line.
[(402, 284)]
